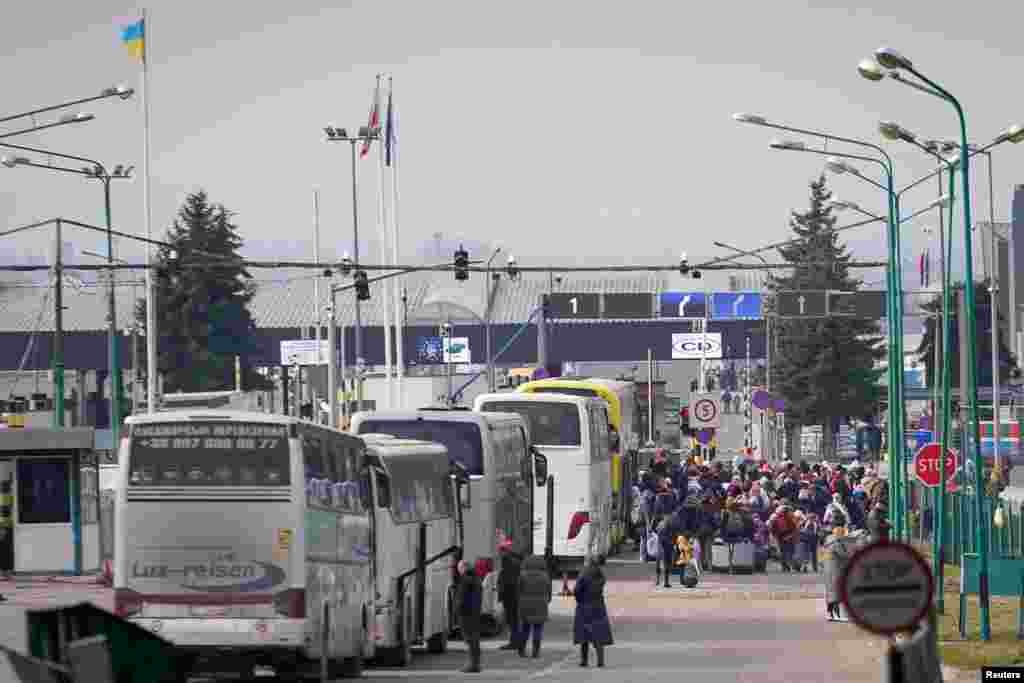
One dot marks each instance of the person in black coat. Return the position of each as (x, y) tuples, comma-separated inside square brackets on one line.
[(666, 536), (878, 522), (469, 596), (590, 622), (508, 592)]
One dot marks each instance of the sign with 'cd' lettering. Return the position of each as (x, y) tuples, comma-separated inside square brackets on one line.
[(887, 588), (696, 345)]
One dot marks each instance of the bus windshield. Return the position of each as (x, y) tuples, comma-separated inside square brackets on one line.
[(551, 424), (462, 439), (568, 391), (209, 454)]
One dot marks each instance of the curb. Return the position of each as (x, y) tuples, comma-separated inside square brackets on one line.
[(724, 594)]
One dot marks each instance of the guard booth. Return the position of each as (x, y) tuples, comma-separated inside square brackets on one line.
[(49, 504)]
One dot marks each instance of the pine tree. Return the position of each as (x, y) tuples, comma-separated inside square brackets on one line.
[(926, 349), (824, 368), (202, 292)]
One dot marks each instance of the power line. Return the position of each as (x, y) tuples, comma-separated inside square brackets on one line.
[(421, 269)]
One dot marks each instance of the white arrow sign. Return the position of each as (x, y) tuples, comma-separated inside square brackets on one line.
[(736, 306), (801, 300), (682, 306)]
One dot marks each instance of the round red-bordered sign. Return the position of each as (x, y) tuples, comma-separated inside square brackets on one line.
[(887, 588), (705, 410)]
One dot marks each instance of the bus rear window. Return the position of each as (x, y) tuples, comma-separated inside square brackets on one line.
[(568, 391), (462, 439), (551, 424), (209, 454)]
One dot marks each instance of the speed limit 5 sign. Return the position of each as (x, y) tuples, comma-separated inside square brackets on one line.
[(705, 411)]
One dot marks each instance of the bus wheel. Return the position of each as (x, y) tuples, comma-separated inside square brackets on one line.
[(351, 668), (437, 644)]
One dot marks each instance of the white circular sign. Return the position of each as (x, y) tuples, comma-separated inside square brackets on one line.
[(705, 410), (887, 588)]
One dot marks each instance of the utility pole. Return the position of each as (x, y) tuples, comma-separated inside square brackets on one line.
[(332, 365), (115, 366), (542, 333), (58, 336), (355, 250)]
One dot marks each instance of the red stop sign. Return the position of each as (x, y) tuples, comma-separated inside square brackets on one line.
[(926, 464)]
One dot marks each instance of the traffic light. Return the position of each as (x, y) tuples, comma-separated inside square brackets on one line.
[(461, 264), (684, 421), (686, 269), (362, 284)]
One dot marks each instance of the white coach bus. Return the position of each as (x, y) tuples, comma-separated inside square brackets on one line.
[(417, 536), (494, 450), (572, 432), (247, 537)]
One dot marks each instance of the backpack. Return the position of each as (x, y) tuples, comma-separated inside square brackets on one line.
[(653, 546), (783, 525)]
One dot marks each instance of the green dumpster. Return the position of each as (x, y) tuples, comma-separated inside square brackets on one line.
[(138, 655)]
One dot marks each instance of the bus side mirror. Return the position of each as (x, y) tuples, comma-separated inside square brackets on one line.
[(464, 500), (540, 467)]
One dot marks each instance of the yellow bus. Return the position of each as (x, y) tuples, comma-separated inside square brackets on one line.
[(621, 399)]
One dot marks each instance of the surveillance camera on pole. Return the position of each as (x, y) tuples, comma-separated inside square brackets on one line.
[(685, 268), (512, 268)]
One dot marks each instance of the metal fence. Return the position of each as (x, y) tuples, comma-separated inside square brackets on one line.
[(1003, 518)]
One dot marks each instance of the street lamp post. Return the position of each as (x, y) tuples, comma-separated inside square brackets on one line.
[(58, 330), (96, 171), (894, 297), (115, 91), (131, 333), (894, 271), (894, 131), (68, 119), (888, 58), (365, 136)]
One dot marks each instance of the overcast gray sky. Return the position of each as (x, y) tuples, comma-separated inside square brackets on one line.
[(566, 132)]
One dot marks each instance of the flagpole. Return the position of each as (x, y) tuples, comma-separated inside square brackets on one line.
[(396, 299), (151, 336), (383, 233)]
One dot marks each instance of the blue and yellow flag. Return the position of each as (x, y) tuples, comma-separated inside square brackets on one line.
[(134, 36)]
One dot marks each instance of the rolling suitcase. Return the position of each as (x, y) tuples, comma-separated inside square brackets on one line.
[(743, 558), (719, 556)]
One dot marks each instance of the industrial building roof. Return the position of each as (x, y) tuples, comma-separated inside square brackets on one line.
[(284, 299)]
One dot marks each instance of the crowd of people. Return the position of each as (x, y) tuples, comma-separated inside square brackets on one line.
[(524, 589), (785, 511)]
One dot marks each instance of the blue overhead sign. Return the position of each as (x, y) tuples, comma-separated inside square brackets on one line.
[(736, 306), (682, 304)]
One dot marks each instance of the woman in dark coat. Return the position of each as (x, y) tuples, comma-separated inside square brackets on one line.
[(534, 596), (590, 623), (469, 596)]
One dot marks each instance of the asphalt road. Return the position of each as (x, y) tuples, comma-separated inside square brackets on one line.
[(762, 628)]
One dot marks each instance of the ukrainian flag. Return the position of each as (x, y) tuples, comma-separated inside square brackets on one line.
[(134, 36)]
